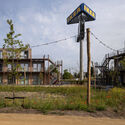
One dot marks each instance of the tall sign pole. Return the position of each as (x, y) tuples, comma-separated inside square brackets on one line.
[(81, 32), (81, 15), (81, 60)]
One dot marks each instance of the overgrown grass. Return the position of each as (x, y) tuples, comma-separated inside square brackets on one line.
[(71, 98)]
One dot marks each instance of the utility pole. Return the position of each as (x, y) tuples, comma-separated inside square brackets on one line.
[(88, 67)]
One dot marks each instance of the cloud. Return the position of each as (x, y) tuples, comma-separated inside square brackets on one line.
[(41, 22)]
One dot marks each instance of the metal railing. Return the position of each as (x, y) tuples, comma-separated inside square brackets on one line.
[(109, 55)]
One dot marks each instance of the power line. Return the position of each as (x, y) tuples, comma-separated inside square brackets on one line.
[(57, 41), (102, 42)]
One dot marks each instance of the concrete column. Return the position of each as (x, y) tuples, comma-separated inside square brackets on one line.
[(81, 60)]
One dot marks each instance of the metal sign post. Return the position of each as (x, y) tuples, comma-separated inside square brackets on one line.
[(81, 60), (81, 15), (81, 34)]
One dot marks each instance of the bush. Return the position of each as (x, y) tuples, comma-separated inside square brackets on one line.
[(2, 103), (100, 107), (68, 98)]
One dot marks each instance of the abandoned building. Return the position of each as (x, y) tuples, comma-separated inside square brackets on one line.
[(112, 64), (34, 71)]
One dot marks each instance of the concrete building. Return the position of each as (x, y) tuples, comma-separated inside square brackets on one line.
[(34, 71)]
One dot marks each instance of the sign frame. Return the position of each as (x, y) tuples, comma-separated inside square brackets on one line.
[(88, 14)]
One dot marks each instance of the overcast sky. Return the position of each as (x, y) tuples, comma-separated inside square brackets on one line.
[(41, 21)]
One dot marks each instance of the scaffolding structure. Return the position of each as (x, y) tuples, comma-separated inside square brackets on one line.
[(34, 71), (104, 67)]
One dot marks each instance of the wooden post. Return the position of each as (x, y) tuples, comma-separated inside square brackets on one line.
[(88, 67)]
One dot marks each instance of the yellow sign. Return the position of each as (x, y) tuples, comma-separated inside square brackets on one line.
[(74, 14), (83, 8), (89, 11)]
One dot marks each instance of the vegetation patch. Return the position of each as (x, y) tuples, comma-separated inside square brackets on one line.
[(64, 98)]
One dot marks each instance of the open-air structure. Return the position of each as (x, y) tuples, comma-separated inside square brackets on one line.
[(34, 71), (116, 57)]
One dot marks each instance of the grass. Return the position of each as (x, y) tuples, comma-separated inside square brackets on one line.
[(69, 98)]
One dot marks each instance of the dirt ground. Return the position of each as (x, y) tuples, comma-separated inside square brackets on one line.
[(98, 114), (39, 119)]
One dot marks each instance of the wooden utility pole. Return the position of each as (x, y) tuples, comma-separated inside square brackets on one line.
[(88, 66)]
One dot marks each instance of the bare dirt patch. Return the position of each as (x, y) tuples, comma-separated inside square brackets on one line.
[(38, 119), (97, 114)]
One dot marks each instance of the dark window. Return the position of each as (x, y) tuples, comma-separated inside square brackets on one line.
[(24, 81), (36, 80)]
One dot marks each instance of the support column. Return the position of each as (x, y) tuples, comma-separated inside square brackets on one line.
[(81, 34), (44, 72), (48, 71), (81, 60), (31, 70)]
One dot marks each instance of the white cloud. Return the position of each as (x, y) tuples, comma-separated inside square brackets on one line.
[(39, 27)]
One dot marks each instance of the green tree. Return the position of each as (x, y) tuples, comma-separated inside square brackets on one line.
[(53, 68), (76, 75), (114, 75), (122, 62), (67, 75), (13, 48)]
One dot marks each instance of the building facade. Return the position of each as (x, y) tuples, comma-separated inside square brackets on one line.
[(33, 71)]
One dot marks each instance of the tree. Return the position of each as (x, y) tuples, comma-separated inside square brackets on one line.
[(53, 68), (67, 75), (114, 75), (13, 48), (76, 75), (122, 62)]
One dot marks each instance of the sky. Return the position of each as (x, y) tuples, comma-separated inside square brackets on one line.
[(42, 21)]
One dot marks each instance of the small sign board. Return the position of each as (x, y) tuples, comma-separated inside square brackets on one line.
[(87, 13)]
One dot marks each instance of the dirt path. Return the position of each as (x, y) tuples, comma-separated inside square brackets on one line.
[(37, 119)]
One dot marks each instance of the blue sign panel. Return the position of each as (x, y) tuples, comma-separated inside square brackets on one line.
[(89, 15)]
